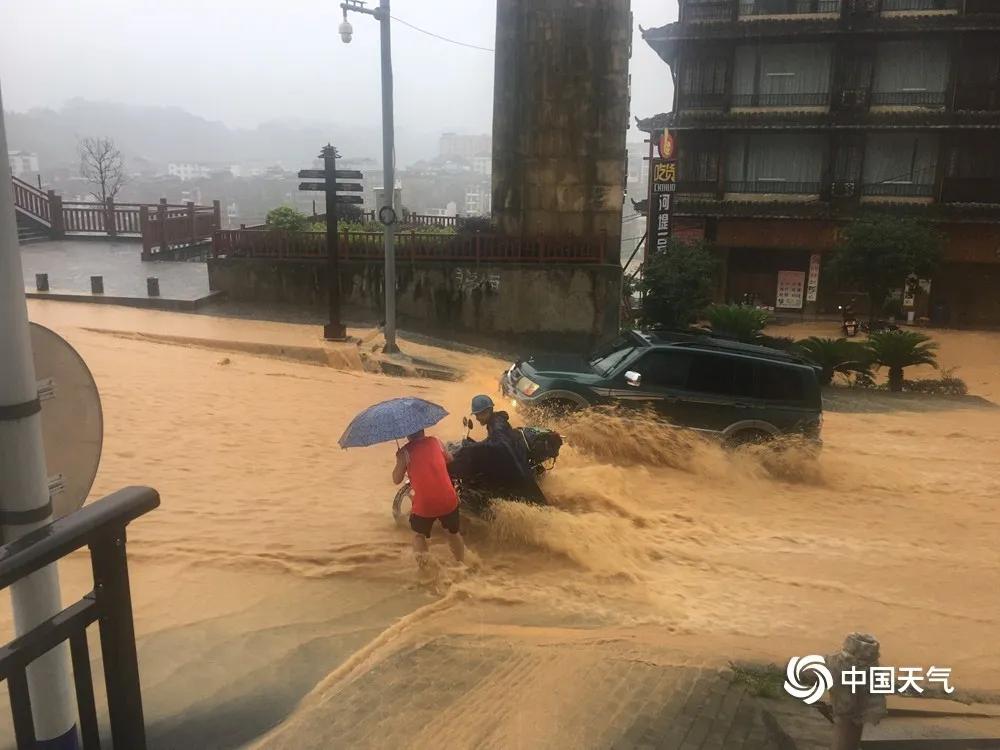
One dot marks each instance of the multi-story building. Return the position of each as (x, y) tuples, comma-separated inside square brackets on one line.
[(792, 116), (464, 146), (185, 171), (22, 163)]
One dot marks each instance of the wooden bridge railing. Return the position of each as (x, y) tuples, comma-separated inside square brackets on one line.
[(162, 227)]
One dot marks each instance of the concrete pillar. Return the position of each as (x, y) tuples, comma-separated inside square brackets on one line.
[(560, 114)]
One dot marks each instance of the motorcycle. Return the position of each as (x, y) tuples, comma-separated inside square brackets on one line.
[(482, 471), (849, 323)]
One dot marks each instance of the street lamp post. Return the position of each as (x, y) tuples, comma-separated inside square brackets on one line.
[(387, 211)]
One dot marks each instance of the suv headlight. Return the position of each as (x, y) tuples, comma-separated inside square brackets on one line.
[(527, 387)]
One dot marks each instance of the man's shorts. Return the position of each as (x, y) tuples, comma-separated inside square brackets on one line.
[(423, 525)]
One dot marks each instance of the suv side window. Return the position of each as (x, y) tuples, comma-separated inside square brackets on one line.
[(722, 375), (779, 383), (664, 368)]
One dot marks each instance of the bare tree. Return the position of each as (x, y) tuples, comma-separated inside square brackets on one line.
[(101, 164)]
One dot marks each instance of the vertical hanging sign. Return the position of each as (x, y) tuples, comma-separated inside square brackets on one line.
[(662, 184)]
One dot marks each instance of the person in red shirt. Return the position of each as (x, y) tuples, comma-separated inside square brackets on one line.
[(425, 460)]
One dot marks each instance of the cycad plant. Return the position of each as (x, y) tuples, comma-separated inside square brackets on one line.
[(900, 349), (836, 356)]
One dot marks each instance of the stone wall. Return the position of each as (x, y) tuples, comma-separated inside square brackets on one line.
[(502, 305), (560, 113)]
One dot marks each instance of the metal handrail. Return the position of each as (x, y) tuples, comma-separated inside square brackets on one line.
[(40, 547), (100, 526)]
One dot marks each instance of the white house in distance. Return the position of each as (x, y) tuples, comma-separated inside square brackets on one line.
[(186, 171), (22, 163)]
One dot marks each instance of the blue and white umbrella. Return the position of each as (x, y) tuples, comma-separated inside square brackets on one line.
[(391, 420)]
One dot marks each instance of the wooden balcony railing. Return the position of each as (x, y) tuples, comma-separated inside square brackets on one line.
[(708, 10), (898, 189), (821, 99), (787, 7), (784, 187), (702, 101), (410, 246), (899, 5), (908, 98)]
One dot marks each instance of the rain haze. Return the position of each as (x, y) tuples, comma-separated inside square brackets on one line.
[(243, 64)]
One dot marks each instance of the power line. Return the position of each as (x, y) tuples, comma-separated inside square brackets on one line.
[(438, 36)]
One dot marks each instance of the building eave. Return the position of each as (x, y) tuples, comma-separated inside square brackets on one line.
[(820, 121), (782, 27)]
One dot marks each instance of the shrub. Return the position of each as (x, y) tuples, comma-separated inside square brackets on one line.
[(897, 350), (947, 385), (849, 358), (741, 322), (288, 218), (677, 284)]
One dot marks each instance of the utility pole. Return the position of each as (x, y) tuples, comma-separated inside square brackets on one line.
[(389, 180), (25, 503), (387, 211)]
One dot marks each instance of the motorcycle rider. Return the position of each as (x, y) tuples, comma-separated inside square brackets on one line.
[(500, 434)]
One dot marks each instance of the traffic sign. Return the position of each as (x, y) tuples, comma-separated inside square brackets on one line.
[(340, 174), (340, 187)]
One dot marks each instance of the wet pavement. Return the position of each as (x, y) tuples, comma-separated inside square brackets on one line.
[(71, 263)]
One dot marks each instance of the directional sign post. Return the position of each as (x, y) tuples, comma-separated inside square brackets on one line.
[(333, 330)]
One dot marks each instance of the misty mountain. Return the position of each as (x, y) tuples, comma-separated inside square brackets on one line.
[(168, 134)]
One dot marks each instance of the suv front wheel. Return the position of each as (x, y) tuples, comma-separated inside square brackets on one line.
[(747, 437)]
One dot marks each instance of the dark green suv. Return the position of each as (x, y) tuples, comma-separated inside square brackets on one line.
[(739, 392)]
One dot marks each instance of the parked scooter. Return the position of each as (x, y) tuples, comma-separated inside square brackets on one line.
[(849, 322)]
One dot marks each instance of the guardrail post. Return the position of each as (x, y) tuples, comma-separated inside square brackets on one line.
[(144, 231), (121, 664), (56, 220), (192, 228), (110, 227), (162, 212)]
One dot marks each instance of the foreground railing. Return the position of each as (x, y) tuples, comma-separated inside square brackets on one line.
[(413, 246), (101, 527)]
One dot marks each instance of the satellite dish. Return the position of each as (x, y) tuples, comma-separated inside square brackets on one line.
[(72, 421)]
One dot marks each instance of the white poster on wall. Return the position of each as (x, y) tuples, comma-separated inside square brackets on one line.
[(812, 288), (791, 288)]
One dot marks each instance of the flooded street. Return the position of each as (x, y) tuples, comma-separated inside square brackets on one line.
[(272, 581)]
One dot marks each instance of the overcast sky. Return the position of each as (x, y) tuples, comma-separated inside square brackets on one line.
[(249, 61)]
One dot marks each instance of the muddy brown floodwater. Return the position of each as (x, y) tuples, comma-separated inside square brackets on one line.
[(273, 582)]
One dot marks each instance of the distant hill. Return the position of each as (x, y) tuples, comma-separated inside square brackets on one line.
[(169, 134)]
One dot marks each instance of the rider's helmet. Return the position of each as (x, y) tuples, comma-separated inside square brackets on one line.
[(481, 403)]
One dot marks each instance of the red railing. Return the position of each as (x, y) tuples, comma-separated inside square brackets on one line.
[(161, 226), (410, 246), (32, 201), (173, 227)]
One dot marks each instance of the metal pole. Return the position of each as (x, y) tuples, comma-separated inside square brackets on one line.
[(24, 491), (389, 179)]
